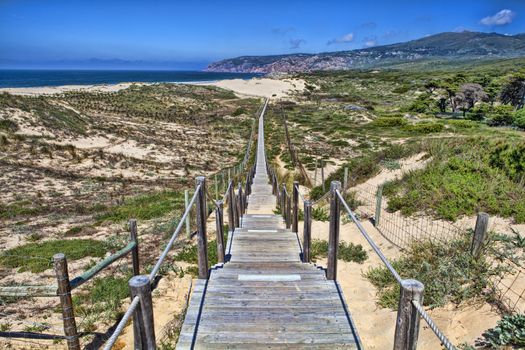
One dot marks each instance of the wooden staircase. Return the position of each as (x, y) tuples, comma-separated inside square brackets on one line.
[(264, 297)]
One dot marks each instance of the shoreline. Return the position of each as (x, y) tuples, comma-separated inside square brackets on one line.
[(255, 86)]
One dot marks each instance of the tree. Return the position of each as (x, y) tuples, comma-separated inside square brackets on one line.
[(519, 118), (432, 85), (513, 92), (502, 115), (468, 95)]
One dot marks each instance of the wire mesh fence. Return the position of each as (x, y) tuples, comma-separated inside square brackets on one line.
[(402, 231)]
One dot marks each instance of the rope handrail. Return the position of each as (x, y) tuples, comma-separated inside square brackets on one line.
[(122, 324), (369, 239), (156, 269), (443, 338), (92, 272), (322, 198)]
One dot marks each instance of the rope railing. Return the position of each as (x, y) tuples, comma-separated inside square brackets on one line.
[(411, 291), (369, 239), (159, 262), (122, 324), (444, 340)]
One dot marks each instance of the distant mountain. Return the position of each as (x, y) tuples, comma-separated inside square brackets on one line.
[(449, 46)]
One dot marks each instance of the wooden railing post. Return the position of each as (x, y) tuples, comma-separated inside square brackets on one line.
[(186, 204), (480, 233), (333, 239), (274, 185), (407, 325), (143, 316), (295, 209), (135, 252), (64, 293), (202, 249), (322, 175), (216, 187), (241, 200), (288, 211), (307, 231), (345, 178), (219, 225), (283, 201), (233, 201), (231, 210), (379, 199), (247, 187)]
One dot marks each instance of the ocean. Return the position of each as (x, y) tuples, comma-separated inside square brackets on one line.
[(33, 78)]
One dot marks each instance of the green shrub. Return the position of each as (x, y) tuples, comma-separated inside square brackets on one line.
[(447, 269), (36, 257), (510, 158), (457, 185), (320, 214), (509, 332), (239, 111), (8, 125), (479, 112), (346, 251), (519, 118), (390, 121), (502, 115), (424, 128), (463, 124), (145, 207)]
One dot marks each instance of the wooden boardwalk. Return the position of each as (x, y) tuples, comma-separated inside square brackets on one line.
[(264, 297)]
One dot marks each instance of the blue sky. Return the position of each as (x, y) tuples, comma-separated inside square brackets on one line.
[(202, 31)]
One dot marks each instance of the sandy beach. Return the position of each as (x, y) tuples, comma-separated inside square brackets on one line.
[(50, 90), (264, 87)]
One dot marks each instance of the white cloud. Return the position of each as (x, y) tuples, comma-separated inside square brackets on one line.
[(370, 43), (501, 18), (342, 40)]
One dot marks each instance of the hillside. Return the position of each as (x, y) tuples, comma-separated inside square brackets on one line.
[(448, 46)]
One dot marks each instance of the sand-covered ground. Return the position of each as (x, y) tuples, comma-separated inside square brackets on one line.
[(50, 90), (266, 87)]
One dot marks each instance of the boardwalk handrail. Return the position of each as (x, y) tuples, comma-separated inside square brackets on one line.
[(411, 291)]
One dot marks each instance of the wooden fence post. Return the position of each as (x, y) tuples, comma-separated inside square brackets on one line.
[(333, 238), (283, 201), (480, 233), (315, 173), (143, 315), (231, 210), (186, 204), (274, 185), (379, 199), (295, 214), (288, 212), (216, 187), (307, 231), (322, 175), (407, 325), (219, 225), (233, 200), (202, 242), (345, 179), (241, 200), (247, 188), (135, 252), (64, 293)]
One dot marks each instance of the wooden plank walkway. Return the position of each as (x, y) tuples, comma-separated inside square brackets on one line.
[(265, 297)]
